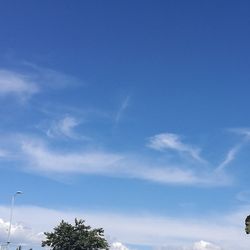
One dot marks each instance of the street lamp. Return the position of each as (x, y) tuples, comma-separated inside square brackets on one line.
[(11, 214)]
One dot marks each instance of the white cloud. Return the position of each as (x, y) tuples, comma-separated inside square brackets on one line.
[(50, 77), (171, 141), (229, 157), (67, 124), (118, 246), (241, 131), (83, 162), (64, 127), (204, 245), (17, 84), (178, 176), (122, 109), (42, 159), (19, 234), (226, 231), (25, 83)]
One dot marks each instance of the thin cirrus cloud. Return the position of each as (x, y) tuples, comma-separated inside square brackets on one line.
[(170, 141), (20, 85), (38, 156), (50, 77), (64, 127), (242, 131), (210, 232), (45, 160), (31, 80), (124, 105), (42, 159), (232, 153), (229, 157)]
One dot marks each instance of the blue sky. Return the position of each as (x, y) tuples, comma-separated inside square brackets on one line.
[(130, 114)]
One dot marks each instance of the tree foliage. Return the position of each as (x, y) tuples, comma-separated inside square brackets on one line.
[(75, 237), (247, 223)]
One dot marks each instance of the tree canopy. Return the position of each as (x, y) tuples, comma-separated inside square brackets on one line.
[(247, 223), (75, 237)]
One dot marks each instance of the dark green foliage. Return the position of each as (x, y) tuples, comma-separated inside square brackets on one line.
[(247, 223), (75, 237)]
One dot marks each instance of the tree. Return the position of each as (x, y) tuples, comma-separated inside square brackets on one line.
[(75, 237), (247, 223)]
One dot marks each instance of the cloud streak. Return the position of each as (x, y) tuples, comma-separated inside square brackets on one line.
[(232, 153), (20, 85), (229, 157), (122, 109), (83, 162), (50, 77), (64, 127), (170, 141), (24, 83), (40, 158)]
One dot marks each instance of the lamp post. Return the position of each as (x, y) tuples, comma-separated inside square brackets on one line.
[(11, 215)]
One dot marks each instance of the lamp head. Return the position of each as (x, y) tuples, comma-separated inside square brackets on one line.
[(18, 192)]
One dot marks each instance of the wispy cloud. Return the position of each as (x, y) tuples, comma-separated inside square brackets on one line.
[(232, 153), (241, 131), (44, 160), (20, 85), (64, 127), (50, 77), (39, 155), (170, 141), (123, 107), (229, 157), (32, 79)]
